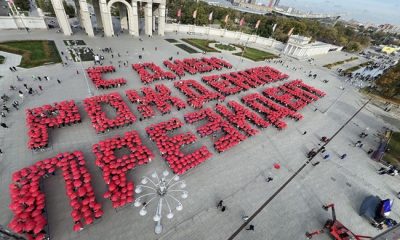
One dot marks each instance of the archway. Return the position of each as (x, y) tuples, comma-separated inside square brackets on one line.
[(128, 21)]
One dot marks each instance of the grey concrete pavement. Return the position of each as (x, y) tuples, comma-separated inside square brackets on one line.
[(236, 176)]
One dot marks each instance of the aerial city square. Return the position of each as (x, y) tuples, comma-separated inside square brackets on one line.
[(199, 120)]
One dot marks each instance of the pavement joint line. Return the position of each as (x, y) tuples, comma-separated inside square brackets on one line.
[(261, 173), (295, 174)]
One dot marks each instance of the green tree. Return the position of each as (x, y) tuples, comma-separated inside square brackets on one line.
[(389, 82), (339, 34), (69, 9), (353, 46), (22, 5), (46, 6)]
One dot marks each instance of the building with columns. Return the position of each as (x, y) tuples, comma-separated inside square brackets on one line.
[(130, 10), (301, 47)]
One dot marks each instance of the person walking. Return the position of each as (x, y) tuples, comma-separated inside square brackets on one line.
[(40, 88), (305, 132), (220, 203), (326, 156), (250, 228), (315, 164), (5, 108), (15, 106), (343, 156), (58, 80), (3, 125), (223, 209)]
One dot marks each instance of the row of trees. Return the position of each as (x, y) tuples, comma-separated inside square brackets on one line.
[(23, 5), (46, 6), (389, 82), (338, 34)]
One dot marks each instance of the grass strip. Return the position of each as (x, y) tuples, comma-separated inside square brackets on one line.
[(171, 40), (186, 48), (225, 47), (355, 68), (331, 65), (74, 42), (201, 44), (34, 53), (254, 54), (392, 156)]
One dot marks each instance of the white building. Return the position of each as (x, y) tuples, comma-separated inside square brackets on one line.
[(301, 47)]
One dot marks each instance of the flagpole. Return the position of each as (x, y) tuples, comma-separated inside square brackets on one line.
[(179, 24), (257, 27), (241, 56), (272, 38), (209, 27)]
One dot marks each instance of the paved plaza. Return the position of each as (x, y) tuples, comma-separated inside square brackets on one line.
[(236, 176)]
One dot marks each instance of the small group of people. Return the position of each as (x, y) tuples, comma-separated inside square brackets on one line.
[(363, 135), (358, 144), (221, 206), (13, 69), (324, 153), (390, 170), (40, 78)]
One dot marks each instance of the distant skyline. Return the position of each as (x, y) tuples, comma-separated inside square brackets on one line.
[(373, 11)]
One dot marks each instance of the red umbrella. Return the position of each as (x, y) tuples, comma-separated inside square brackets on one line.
[(98, 213), (13, 223), (78, 227), (97, 206), (29, 226), (81, 191), (18, 227), (40, 236), (37, 229), (77, 183), (36, 213), (87, 213), (89, 220), (277, 166), (76, 218)]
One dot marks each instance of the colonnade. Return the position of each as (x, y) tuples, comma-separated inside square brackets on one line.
[(154, 16), (296, 51)]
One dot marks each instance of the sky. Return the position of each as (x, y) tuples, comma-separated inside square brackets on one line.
[(372, 11)]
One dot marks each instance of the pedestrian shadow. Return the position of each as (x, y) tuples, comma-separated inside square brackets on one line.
[(358, 198), (305, 149)]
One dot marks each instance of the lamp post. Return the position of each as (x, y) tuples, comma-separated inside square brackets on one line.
[(160, 190), (77, 53), (241, 56), (11, 5)]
